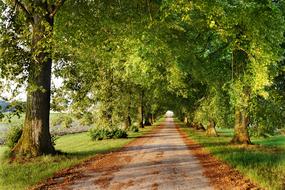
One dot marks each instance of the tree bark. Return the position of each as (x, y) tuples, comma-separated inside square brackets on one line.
[(152, 118), (128, 121), (201, 127), (140, 117), (36, 138), (211, 129), (186, 121), (241, 135), (148, 121), (141, 111)]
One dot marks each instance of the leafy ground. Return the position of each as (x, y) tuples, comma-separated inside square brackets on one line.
[(79, 148), (263, 163)]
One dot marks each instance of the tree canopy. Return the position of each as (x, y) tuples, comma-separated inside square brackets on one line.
[(215, 63)]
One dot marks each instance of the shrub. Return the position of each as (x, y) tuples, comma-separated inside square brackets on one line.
[(13, 136), (87, 119), (134, 128), (56, 121), (64, 120), (101, 134), (119, 134), (260, 131), (67, 121)]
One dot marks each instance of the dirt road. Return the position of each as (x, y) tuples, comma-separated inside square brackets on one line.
[(158, 161), (164, 159)]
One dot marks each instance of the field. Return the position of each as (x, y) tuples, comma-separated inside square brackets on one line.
[(263, 162), (5, 124), (58, 130), (78, 146), (2, 150)]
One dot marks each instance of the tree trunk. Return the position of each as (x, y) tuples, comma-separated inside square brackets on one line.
[(211, 129), (128, 122), (141, 111), (195, 125), (140, 117), (36, 138), (152, 118), (186, 121), (148, 121), (201, 127), (241, 135)]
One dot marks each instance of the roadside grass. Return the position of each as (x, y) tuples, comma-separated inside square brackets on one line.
[(2, 150), (263, 162), (78, 147)]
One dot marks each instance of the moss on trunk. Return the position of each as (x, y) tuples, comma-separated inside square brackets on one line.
[(211, 129), (241, 135), (36, 138)]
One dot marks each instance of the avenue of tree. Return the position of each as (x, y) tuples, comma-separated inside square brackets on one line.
[(125, 62)]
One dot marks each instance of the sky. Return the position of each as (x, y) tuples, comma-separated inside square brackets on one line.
[(169, 113), (22, 96)]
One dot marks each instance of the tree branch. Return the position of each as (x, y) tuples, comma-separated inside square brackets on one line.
[(22, 6), (56, 8)]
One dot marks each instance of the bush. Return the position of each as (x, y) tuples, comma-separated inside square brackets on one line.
[(260, 131), (134, 128), (57, 121), (87, 119), (119, 134), (101, 134), (64, 120), (13, 136), (67, 121)]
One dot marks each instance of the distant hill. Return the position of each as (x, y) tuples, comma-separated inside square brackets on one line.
[(3, 105)]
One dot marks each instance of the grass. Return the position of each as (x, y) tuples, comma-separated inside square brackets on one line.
[(2, 150), (79, 148), (276, 141), (263, 163)]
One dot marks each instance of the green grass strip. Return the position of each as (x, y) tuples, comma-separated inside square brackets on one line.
[(79, 147), (263, 163)]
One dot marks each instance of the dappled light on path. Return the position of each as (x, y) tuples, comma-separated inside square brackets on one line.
[(159, 161)]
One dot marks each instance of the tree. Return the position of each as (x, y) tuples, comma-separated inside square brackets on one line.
[(232, 52), (38, 20), (115, 59)]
